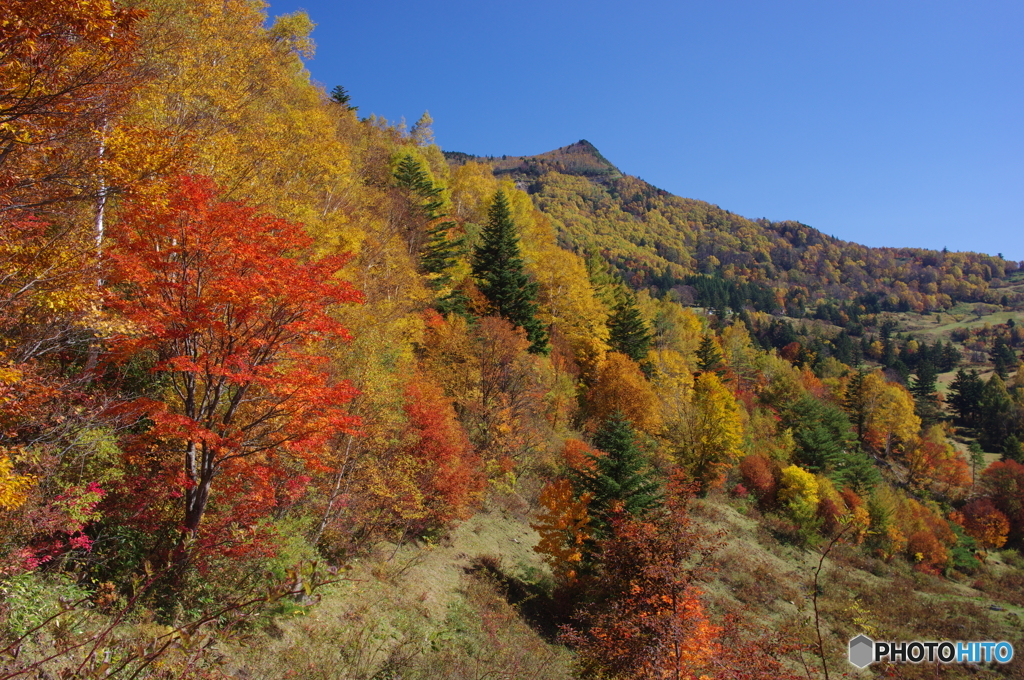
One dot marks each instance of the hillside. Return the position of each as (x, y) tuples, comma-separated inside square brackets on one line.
[(285, 393), (660, 241)]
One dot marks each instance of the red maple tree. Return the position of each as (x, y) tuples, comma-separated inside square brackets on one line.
[(223, 300)]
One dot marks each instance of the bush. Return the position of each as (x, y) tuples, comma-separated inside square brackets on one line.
[(31, 598), (759, 478)]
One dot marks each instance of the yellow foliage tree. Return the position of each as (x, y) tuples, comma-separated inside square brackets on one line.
[(567, 300), (890, 420), (14, 488), (675, 327), (886, 536), (707, 435), (472, 187), (799, 488), (672, 377), (739, 352)]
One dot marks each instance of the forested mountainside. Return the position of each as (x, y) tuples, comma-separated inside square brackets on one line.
[(286, 393), (661, 241)]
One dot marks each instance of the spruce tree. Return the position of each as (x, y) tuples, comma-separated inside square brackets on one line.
[(1003, 357), (977, 457), (926, 401), (965, 397), (821, 431), (996, 410), (339, 95), (438, 249), (709, 357), (498, 269), (1012, 449), (629, 334), (620, 476), (855, 403), (951, 356)]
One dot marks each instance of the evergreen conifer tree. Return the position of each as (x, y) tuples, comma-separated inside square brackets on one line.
[(622, 475), (951, 356), (977, 457), (889, 355), (628, 332), (965, 397), (926, 402), (498, 269), (845, 349), (1003, 357), (438, 249), (339, 95), (996, 409), (1012, 449), (855, 403), (709, 357), (822, 433)]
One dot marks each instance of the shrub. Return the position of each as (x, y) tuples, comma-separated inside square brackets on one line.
[(759, 477)]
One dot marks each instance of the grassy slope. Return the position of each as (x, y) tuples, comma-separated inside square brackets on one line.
[(773, 582), (423, 611)]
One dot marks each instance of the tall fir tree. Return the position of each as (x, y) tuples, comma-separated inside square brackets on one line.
[(926, 401), (498, 269), (965, 397), (951, 356), (621, 476), (821, 431), (976, 455), (1004, 359), (628, 331), (438, 248), (340, 96), (855, 403), (709, 357), (996, 408), (1012, 449)]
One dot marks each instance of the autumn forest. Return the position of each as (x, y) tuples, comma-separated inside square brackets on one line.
[(286, 391)]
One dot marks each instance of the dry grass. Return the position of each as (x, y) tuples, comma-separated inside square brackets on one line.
[(772, 582), (419, 611)]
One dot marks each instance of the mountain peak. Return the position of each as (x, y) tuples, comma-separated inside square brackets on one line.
[(580, 158)]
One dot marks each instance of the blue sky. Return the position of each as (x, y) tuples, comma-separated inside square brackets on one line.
[(886, 123)]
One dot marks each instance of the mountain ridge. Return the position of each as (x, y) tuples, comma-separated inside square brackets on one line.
[(661, 241)]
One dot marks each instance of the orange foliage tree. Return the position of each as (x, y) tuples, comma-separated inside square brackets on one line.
[(984, 523), (448, 476), (564, 527), (621, 386), (1004, 483), (217, 295), (564, 520), (933, 462), (759, 476), (649, 620), (64, 69), (929, 535)]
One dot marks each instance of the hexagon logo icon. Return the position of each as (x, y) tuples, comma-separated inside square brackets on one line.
[(862, 651)]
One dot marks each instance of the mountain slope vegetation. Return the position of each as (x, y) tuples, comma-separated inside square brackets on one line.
[(273, 372), (661, 241)]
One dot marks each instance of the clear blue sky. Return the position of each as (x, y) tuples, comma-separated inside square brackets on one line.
[(886, 123)]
